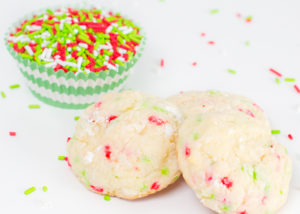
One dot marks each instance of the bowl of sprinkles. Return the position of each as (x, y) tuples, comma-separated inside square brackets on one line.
[(71, 56)]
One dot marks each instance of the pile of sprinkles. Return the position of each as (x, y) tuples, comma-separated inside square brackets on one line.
[(77, 40)]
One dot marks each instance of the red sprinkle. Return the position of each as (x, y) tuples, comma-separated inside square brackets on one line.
[(202, 34), (111, 117), (208, 177), (211, 42), (162, 63), (263, 199), (228, 183), (243, 212), (297, 89), (97, 189), (275, 72), (238, 15), (67, 159), (290, 137), (156, 120), (98, 104), (155, 186), (194, 63), (107, 151), (68, 139), (187, 151), (12, 133)]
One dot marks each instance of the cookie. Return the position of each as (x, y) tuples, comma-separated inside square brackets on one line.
[(193, 102), (124, 145), (232, 163)]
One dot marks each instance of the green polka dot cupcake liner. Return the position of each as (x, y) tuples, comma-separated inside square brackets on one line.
[(69, 89)]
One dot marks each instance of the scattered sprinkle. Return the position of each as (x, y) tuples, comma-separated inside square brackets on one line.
[(97, 189), (3, 94), (30, 190), (239, 15), (61, 158), (297, 89), (277, 80), (194, 63), (290, 136), (214, 11), (226, 182), (211, 42), (248, 19), (225, 208), (165, 171), (275, 131), (14, 86), (155, 186), (187, 151), (203, 34), (106, 198), (162, 63), (156, 120), (45, 188), (76, 118), (231, 71), (196, 136), (68, 139), (275, 72), (247, 43), (12, 133), (34, 106), (289, 79)]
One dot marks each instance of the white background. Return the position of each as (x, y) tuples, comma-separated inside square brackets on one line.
[(173, 30)]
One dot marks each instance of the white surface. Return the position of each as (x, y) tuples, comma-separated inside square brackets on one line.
[(173, 30)]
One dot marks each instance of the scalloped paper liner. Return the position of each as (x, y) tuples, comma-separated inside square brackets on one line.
[(68, 90)]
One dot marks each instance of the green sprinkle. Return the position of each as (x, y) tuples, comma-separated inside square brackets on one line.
[(176, 178), (143, 188), (213, 92), (254, 175), (275, 131), (107, 198), (231, 71), (50, 12), (277, 80), (3, 94), (165, 171), (212, 196), (225, 208), (214, 11), (76, 118), (247, 43), (14, 86), (281, 192), (290, 79), (196, 136), (61, 157), (45, 188), (286, 151), (267, 188), (156, 108), (30, 190), (34, 106), (146, 159)]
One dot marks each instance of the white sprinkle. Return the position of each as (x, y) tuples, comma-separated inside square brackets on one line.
[(29, 50), (68, 41), (88, 157), (75, 20), (75, 31), (61, 25), (69, 49), (95, 53), (43, 55), (103, 47), (52, 64), (66, 63), (173, 110), (122, 51), (109, 66), (45, 17), (45, 43), (49, 52), (99, 148), (168, 130), (69, 57), (79, 61), (83, 45), (109, 29), (33, 27), (106, 57), (54, 44), (83, 27)]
